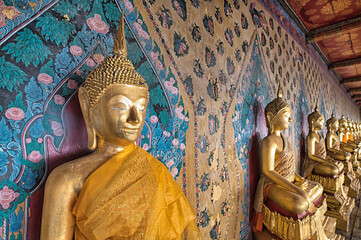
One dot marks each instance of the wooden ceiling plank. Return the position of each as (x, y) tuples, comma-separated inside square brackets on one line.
[(333, 30), (352, 90), (345, 63), (351, 80)]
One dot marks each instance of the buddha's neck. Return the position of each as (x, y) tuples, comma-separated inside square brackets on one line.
[(108, 149)]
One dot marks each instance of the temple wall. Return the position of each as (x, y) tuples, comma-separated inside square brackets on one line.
[(211, 67)]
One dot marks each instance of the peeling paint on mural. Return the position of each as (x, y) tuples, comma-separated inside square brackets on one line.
[(211, 68)]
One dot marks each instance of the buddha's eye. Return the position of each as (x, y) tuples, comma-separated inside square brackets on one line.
[(120, 107), (141, 109)]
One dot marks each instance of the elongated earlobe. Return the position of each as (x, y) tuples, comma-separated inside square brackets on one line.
[(85, 108), (269, 117)]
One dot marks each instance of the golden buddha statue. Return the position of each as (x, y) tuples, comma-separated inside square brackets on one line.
[(319, 167), (119, 191), (335, 152), (315, 160), (283, 198)]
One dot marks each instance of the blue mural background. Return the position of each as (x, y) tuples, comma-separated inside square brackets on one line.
[(210, 74)]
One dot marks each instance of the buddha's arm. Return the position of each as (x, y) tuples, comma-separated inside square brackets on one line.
[(58, 221), (347, 147), (311, 149), (334, 153), (268, 159)]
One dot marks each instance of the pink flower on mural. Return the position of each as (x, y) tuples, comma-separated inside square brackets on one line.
[(35, 156), (154, 55), (7, 196), (76, 50), (98, 58), (174, 172), (170, 163), (182, 48), (90, 62), (182, 146), (15, 113), (174, 90), (59, 100), (72, 84), (45, 78), (165, 133), (141, 32), (159, 65), (2, 21), (9, 12), (128, 5), (97, 24), (175, 142), (57, 128), (145, 147), (178, 111), (28, 140), (153, 119), (40, 140), (79, 72)]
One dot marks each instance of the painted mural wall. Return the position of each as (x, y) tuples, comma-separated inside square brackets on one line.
[(211, 67)]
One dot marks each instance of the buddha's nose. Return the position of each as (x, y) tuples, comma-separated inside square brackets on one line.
[(133, 117)]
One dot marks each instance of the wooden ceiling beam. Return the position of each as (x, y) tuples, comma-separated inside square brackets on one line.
[(352, 90), (357, 96), (345, 63), (351, 80), (333, 30)]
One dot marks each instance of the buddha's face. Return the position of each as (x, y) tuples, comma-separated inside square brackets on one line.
[(120, 113), (335, 126), (319, 123), (282, 120)]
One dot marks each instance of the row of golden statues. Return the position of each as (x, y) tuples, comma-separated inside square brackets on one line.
[(122, 192), (311, 205)]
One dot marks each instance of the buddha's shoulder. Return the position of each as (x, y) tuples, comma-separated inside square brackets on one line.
[(73, 172), (271, 139)]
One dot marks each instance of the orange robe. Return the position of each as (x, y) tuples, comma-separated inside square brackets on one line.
[(132, 196)]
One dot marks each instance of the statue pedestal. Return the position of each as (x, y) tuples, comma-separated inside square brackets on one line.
[(313, 227), (352, 191), (339, 205)]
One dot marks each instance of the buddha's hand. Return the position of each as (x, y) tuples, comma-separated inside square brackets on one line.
[(300, 182)]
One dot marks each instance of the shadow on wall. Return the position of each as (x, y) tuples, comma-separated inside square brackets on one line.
[(75, 146)]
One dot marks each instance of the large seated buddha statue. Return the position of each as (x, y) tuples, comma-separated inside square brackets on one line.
[(119, 191), (288, 205), (319, 167), (335, 152)]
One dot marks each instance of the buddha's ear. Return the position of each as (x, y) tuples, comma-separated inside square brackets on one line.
[(86, 110), (269, 120)]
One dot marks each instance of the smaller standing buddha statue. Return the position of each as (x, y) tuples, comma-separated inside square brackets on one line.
[(335, 152), (119, 191), (285, 203), (319, 167)]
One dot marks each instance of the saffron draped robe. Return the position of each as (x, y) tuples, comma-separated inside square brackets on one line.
[(133, 196)]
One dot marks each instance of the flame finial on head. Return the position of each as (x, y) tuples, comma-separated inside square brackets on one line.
[(120, 44), (116, 69), (279, 91), (316, 108)]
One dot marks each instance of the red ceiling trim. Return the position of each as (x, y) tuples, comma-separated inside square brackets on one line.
[(345, 63), (334, 30)]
